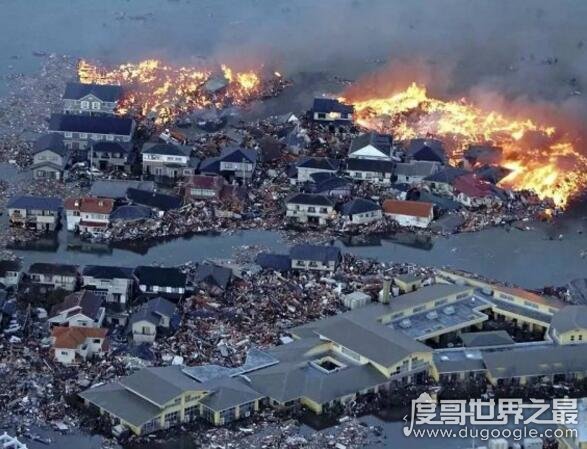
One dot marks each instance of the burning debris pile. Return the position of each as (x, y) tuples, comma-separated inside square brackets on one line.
[(540, 157), (165, 93)]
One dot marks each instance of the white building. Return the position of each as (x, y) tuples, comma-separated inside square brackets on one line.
[(329, 110), (8, 442), (114, 284), (88, 214), (417, 214), (368, 170), (371, 146), (361, 211), (307, 208), (74, 344), (309, 166), (10, 271), (53, 275), (79, 309)]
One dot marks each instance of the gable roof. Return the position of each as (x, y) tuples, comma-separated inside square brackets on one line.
[(569, 318), (205, 182), (34, 203), (105, 92), (116, 189), (161, 384), (310, 199), (411, 208), (229, 392), (277, 262), (212, 274), (319, 163), (321, 253), (161, 276), (155, 200), (473, 187), (91, 124), (359, 206), (447, 175), (238, 154), (416, 168), (153, 310), (426, 150), (487, 338), (331, 105), (52, 142), (381, 142), (88, 303), (73, 337), (9, 265)]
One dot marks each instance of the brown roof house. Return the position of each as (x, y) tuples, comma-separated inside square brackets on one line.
[(88, 214), (73, 344), (417, 214)]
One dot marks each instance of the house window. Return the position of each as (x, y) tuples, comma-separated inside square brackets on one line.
[(172, 418), (95, 105), (85, 104), (68, 135), (83, 135), (321, 115)]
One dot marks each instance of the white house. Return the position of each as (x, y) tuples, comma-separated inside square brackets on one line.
[(308, 166), (88, 214), (308, 208), (114, 284), (239, 162), (417, 214), (314, 257), (329, 110), (361, 211), (91, 99), (369, 170), (153, 316), (53, 275), (10, 271), (165, 159), (371, 146), (79, 309), (74, 344)]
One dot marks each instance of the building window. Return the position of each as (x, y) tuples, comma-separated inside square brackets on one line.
[(572, 338), (171, 419), (227, 416), (95, 105), (85, 104)]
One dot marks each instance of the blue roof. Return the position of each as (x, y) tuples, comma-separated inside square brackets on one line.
[(359, 206), (277, 262), (152, 199), (131, 212), (105, 92), (331, 105), (91, 124), (51, 141), (320, 253), (35, 202), (238, 154)]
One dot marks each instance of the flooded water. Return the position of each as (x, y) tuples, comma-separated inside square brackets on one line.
[(532, 259)]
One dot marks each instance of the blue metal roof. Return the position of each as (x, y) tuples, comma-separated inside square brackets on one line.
[(35, 202), (91, 124)]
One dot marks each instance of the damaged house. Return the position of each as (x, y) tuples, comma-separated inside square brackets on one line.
[(361, 211), (34, 212), (107, 156), (114, 284), (76, 344), (10, 272), (312, 165), (418, 214), (370, 170), (309, 208), (50, 276), (154, 316), (315, 257), (50, 157), (203, 187), (430, 150), (238, 162), (329, 110), (165, 161), (79, 309), (88, 215), (211, 277), (169, 282)]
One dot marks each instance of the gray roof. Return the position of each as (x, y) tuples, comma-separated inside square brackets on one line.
[(569, 318), (105, 92), (114, 398), (416, 168), (447, 175), (359, 206), (160, 385), (539, 360), (458, 360), (380, 141), (131, 212), (488, 338), (370, 165), (212, 274), (91, 124), (51, 141), (35, 203), (319, 163), (424, 295), (108, 272), (166, 149), (153, 310), (88, 302), (228, 393)]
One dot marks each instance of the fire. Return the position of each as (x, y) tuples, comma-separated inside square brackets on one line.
[(164, 92), (540, 158)]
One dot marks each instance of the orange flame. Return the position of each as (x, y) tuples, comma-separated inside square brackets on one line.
[(165, 92), (553, 168)]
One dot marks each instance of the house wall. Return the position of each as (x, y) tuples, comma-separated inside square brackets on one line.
[(144, 332), (43, 220), (411, 221), (572, 337), (240, 169), (64, 355), (161, 289), (365, 217), (10, 278), (374, 177), (302, 212), (331, 116), (47, 172), (57, 281), (88, 105), (297, 264), (117, 290)]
